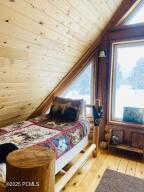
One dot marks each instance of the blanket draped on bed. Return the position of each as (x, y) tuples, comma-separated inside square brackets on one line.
[(59, 137)]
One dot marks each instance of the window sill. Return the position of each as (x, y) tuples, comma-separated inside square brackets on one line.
[(126, 124)]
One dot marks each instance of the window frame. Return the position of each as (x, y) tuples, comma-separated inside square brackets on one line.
[(92, 62), (111, 82)]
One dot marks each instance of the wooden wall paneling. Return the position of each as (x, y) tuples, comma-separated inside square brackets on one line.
[(99, 8), (82, 38), (55, 34), (124, 6), (86, 7), (79, 9), (45, 21), (36, 43), (69, 14), (33, 47)]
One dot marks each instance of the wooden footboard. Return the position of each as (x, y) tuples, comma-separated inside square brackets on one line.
[(95, 137)]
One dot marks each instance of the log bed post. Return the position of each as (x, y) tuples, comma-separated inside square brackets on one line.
[(96, 140), (95, 136), (31, 170)]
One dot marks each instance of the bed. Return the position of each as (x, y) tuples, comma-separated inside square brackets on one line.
[(66, 139)]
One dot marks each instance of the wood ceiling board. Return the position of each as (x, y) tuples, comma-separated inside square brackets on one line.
[(56, 34), (123, 7)]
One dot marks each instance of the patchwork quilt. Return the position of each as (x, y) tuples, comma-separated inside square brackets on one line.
[(59, 137)]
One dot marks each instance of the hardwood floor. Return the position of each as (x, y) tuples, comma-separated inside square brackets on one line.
[(89, 176)]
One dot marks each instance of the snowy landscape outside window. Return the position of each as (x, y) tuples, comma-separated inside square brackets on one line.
[(137, 16), (81, 87), (127, 85)]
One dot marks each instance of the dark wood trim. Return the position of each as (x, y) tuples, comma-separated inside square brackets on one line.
[(95, 77), (110, 87), (109, 91), (90, 52), (108, 77), (126, 27), (126, 124), (117, 34), (123, 33), (126, 33), (130, 33)]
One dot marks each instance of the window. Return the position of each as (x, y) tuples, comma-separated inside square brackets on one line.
[(137, 15), (81, 87), (127, 77)]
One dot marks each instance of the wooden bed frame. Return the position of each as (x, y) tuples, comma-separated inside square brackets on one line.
[(92, 149), (66, 158), (67, 176)]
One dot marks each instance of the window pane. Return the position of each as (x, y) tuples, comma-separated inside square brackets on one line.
[(137, 16), (128, 77), (81, 86)]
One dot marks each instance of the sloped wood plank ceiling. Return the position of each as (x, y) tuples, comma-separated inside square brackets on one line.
[(54, 34)]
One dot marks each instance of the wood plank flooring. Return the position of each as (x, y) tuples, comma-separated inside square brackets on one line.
[(89, 176)]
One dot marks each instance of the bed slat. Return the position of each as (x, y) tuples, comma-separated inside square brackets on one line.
[(60, 184)]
